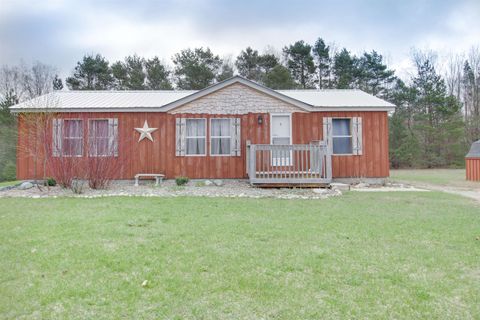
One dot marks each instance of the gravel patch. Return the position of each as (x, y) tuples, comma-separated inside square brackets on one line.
[(229, 189)]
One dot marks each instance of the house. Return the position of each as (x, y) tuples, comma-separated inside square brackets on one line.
[(234, 129)]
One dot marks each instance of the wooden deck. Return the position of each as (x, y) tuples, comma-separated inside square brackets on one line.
[(289, 165)]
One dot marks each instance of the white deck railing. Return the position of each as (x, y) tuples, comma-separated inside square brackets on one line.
[(284, 164)]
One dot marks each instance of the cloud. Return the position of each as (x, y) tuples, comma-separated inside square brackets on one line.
[(61, 32)]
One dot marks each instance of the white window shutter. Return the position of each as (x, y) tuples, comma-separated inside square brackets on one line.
[(113, 137), (357, 141), (236, 137), (57, 137), (327, 133), (180, 136)]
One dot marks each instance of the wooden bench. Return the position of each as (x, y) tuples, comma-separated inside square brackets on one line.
[(158, 177)]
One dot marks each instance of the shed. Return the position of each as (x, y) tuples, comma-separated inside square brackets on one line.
[(472, 162)]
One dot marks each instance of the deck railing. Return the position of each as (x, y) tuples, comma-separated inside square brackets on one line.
[(289, 164)]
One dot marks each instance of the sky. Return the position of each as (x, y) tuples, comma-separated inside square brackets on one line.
[(60, 32)]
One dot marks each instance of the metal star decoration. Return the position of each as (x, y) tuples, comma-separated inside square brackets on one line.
[(145, 132)]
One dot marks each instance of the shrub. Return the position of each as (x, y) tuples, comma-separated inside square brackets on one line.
[(50, 182), (9, 172), (181, 181)]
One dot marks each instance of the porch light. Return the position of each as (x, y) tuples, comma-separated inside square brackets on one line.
[(260, 120)]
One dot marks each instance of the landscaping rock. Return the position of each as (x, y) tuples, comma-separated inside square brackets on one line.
[(362, 185), (25, 185), (208, 183), (218, 182), (340, 186), (321, 191)]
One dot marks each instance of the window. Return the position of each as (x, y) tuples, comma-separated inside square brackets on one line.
[(72, 142), (99, 137), (220, 137), (196, 136), (342, 136)]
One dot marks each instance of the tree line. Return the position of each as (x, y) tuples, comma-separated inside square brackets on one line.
[(438, 107)]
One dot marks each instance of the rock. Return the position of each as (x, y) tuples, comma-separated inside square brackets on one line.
[(208, 183), (218, 182), (145, 283), (25, 185), (362, 185), (321, 191), (340, 186)]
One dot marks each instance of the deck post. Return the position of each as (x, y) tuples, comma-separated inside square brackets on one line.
[(247, 157), (252, 163)]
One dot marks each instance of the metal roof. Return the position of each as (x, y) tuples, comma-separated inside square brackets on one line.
[(474, 150), (149, 100)]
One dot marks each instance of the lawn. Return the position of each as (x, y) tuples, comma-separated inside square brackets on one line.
[(8, 183), (441, 177), (363, 255)]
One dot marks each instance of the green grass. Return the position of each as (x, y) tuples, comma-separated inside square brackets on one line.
[(8, 183), (442, 177), (363, 255)]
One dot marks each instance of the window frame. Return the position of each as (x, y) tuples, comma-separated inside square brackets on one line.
[(193, 137), (64, 137), (350, 136), (108, 138), (229, 154)]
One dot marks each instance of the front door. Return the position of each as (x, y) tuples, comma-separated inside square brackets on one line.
[(281, 134)]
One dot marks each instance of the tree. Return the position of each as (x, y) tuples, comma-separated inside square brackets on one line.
[(57, 83), (226, 70), (321, 53), (372, 74), (248, 64), (300, 62), (129, 74), (438, 123), (279, 78), (120, 76), (92, 73), (344, 70), (157, 75), (196, 69)]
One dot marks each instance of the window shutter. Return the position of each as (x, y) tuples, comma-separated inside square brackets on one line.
[(180, 136), (236, 137), (357, 135), (327, 133), (113, 137), (57, 130)]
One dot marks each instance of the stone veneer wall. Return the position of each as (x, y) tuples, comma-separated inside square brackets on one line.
[(236, 99)]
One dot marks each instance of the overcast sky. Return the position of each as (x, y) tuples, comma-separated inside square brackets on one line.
[(61, 32)]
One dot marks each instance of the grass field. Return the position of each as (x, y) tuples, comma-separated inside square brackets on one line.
[(8, 183), (377, 255), (442, 177)]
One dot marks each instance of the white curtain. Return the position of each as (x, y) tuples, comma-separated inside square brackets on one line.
[(220, 136), (196, 136), (99, 138)]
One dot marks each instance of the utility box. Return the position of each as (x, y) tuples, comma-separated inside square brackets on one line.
[(472, 162)]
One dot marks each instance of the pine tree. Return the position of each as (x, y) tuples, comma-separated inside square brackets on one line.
[(372, 74), (321, 53), (157, 75), (279, 78), (300, 62), (92, 73), (196, 69), (57, 83), (248, 64), (344, 70)]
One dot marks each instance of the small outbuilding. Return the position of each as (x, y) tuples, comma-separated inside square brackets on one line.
[(472, 162)]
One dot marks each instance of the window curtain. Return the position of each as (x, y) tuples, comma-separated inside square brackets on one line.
[(99, 138), (196, 128), (220, 128), (73, 138)]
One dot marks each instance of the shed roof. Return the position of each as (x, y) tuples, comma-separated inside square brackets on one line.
[(474, 150), (164, 100)]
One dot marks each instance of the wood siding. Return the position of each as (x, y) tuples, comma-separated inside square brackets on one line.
[(159, 156), (473, 169)]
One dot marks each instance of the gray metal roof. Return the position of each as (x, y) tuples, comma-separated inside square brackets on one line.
[(474, 150), (148, 100)]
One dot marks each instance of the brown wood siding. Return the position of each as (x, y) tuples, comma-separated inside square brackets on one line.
[(159, 156), (473, 169)]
